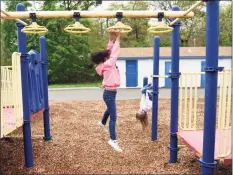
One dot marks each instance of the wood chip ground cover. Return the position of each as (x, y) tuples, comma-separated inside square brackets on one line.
[(79, 146)]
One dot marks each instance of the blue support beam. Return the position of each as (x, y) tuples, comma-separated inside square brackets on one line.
[(212, 46), (155, 89), (47, 135), (22, 43), (25, 92), (174, 75)]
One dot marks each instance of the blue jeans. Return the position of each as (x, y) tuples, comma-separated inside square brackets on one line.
[(110, 101)]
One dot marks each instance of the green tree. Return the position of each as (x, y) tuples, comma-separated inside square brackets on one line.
[(225, 26), (191, 28), (68, 54), (98, 38), (139, 36), (8, 33)]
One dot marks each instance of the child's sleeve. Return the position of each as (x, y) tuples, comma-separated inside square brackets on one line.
[(114, 55), (145, 88), (110, 45), (150, 96)]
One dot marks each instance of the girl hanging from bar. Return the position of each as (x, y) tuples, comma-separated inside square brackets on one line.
[(145, 105)]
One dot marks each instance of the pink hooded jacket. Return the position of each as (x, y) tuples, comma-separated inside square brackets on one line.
[(111, 74)]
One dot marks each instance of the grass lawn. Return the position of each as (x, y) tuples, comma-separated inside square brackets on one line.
[(93, 84)]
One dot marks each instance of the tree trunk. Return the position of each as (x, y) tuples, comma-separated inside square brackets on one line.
[(136, 32), (107, 22), (101, 28)]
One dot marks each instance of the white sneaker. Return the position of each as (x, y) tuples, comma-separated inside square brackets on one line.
[(102, 126), (115, 145)]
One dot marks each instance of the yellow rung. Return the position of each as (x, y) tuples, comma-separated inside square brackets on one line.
[(181, 146), (159, 76), (191, 73)]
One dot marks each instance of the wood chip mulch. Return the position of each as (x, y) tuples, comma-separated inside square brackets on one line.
[(79, 146)]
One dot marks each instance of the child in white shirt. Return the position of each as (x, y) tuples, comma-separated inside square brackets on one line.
[(145, 105)]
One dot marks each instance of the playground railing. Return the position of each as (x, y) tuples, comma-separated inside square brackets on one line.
[(6, 86), (224, 113), (11, 96), (190, 116), (188, 98)]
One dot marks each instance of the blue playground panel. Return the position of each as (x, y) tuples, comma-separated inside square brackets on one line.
[(36, 94)]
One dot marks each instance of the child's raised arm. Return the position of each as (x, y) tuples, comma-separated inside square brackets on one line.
[(110, 42), (115, 52)]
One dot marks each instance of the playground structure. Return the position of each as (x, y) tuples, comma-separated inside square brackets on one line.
[(24, 94), (211, 70), (190, 121), (211, 144), (190, 133), (11, 93)]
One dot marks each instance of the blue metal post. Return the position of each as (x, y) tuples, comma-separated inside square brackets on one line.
[(145, 81), (25, 92), (22, 43), (47, 135), (211, 71), (26, 112), (174, 75), (155, 89)]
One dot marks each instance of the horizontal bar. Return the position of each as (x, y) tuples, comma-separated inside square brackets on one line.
[(227, 69), (187, 11), (21, 22), (94, 14), (182, 146), (159, 76), (18, 20), (192, 73)]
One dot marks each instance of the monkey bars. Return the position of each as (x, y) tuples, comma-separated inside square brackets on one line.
[(78, 28), (187, 11), (7, 14), (93, 14)]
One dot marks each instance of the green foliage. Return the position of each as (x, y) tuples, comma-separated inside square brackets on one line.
[(139, 36), (225, 26), (191, 28), (8, 33), (86, 84), (68, 54)]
